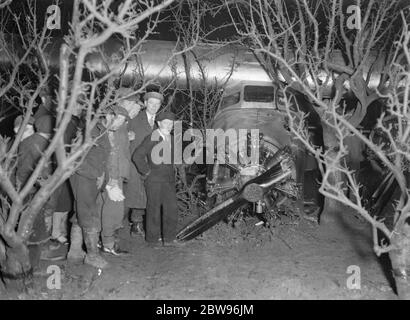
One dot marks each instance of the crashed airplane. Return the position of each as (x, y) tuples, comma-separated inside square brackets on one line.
[(250, 101), (279, 171)]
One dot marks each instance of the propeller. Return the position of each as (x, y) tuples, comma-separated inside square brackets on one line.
[(252, 191)]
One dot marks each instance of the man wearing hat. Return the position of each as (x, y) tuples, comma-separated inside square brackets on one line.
[(29, 154), (154, 160), (130, 101), (31, 148), (96, 186), (140, 127), (118, 168), (87, 183), (28, 131)]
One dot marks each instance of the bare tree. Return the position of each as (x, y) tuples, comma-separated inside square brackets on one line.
[(393, 125), (312, 47), (93, 23), (201, 96), (5, 3), (320, 49)]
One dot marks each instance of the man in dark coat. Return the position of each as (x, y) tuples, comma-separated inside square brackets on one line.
[(31, 148), (65, 194), (154, 160), (87, 183), (28, 131), (140, 127), (97, 188), (118, 168), (29, 154)]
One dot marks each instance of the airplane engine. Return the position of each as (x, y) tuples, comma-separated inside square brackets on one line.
[(258, 169)]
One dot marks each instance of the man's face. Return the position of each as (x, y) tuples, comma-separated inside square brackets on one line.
[(114, 122), (166, 126), (153, 105), (132, 107)]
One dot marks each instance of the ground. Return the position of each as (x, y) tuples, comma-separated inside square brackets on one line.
[(295, 259)]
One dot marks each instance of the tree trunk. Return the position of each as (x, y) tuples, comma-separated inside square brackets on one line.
[(15, 267), (17, 259), (331, 207), (400, 260)]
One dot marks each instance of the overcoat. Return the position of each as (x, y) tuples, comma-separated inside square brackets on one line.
[(134, 189), (29, 153), (66, 198)]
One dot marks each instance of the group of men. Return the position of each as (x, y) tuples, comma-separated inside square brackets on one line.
[(118, 178)]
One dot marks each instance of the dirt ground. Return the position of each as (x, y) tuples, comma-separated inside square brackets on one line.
[(296, 259)]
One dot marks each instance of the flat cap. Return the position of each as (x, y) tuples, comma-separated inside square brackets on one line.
[(153, 94), (118, 110), (166, 115), (44, 124)]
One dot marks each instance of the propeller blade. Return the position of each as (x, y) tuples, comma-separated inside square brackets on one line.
[(211, 218), (383, 194)]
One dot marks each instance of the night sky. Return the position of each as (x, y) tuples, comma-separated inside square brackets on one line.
[(164, 30)]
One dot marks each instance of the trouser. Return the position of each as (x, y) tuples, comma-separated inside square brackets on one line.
[(60, 226), (41, 230), (161, 194), (135, 197), (85, 193), (112, 213)]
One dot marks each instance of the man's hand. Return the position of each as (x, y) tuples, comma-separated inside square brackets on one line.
[(115, 193)]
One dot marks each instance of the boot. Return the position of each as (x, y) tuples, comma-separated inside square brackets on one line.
[(114, 248), (76, 244), (93, 256)]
